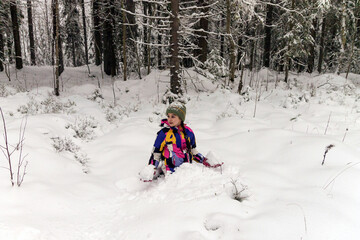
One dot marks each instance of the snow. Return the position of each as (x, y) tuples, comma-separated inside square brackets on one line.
[(85, 154)]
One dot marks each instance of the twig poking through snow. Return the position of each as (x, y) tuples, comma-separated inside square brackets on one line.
[(345, 134), (327, 125), (326, 151), (237, 194)]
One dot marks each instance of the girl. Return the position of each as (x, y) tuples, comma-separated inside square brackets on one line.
[(174, 145)]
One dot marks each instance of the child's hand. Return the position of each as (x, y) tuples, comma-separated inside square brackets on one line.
[(210, 165)]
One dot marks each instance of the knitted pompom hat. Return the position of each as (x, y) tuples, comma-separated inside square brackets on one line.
[(178, 109)]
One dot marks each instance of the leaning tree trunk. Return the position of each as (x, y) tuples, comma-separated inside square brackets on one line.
[(97, 32), (16, 33), (31, 33), (175, 85)]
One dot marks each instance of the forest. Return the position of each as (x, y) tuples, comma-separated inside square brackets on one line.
[(222, 37), (271, 89)]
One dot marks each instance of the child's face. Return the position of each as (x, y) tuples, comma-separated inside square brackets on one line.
[(173, 120)]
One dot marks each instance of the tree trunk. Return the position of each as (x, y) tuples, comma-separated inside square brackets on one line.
[(159, 41), (109, 48), (2, 40), (239, 52), (287, 52), (97, 32), (311, 58), (2, 48), (175, 85), (48, 33), (73, 52), (56, 29), (16, 33), (57, 55), (322, 44), (149, 40), (9, 44), (85, 32), (352, 48), (231, 42), (146, 33), (342, 36), (201, 53), (222, 39), (124, 36), (267, 41), (31, 33)]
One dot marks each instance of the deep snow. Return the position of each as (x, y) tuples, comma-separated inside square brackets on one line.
[(90, 189)]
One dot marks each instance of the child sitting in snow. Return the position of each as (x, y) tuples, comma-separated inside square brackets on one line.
[(174, 145)]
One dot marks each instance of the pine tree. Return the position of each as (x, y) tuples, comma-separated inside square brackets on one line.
[(73, 40)]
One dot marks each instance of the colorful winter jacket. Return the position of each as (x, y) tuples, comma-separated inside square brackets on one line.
[(171, 144)]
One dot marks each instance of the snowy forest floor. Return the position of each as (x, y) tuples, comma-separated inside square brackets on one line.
[(84, 154)]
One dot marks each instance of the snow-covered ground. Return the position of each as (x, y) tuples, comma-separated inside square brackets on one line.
[(84, 156)]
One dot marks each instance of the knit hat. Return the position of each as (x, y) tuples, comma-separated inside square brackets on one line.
[(178, 109)]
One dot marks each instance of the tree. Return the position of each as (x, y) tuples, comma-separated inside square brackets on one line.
[(109, 46), (231, 41), (73, 40), (267, 40), (175, 84), (202, 32), (57, 46), (97, 32), (2, 31), (57, 40), (82, 3), (322, 44), (16, 34), (31, 33), (124, 47)]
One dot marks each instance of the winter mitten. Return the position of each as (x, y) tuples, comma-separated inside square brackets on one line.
[(199, 158), (207, 163)]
